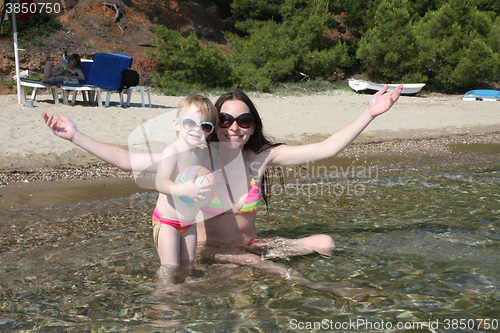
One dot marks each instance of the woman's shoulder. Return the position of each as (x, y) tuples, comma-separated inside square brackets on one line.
[(266, 148), (263, 153)]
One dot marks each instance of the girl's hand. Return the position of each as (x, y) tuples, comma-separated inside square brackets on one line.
[(382, 101), (196, 192), (62, 127)]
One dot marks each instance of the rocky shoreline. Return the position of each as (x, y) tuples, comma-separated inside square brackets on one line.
[(447, 147)]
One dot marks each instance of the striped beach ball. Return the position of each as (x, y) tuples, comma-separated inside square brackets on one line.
[(202, 176)]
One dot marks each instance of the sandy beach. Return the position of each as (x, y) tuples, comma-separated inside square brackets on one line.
[(26, 142)]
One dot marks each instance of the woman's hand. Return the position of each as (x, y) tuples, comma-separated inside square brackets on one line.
[(383, 101), (62, 127)]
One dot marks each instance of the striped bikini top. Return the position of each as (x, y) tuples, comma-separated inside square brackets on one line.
[(71, 71), (252, 203), (254, 198)]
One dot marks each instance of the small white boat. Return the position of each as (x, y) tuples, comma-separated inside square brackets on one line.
[(482, 95), (408, 88)]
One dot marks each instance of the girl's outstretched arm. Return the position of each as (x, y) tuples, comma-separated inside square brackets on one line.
[(117, 156)]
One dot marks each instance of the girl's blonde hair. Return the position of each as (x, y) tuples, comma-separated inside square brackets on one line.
[(204, 105)]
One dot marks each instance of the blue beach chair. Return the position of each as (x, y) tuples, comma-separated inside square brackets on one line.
[(52, 86), (104, 76)]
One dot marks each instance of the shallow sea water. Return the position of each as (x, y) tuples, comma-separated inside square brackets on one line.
[(425, 236)]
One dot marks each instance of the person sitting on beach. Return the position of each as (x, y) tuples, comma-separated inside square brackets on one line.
[(232, 236), (64, 71)]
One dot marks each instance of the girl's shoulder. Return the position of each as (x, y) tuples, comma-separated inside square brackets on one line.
[(171, 150)]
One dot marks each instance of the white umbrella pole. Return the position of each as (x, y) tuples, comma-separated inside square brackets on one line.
[(16, 53)]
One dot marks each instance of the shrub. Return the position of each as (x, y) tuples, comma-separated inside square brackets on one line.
[(40, 25), (272, 52), (10, 83), (453, 48), (183, 63), (458, 46)]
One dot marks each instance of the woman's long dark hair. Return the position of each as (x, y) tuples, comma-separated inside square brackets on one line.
[(76, 56), (257, 142)]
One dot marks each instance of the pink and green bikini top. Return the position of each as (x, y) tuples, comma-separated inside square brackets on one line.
[(71, 71), (254, 198), (252, 203)]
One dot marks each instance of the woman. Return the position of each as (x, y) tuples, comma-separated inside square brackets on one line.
[(231, 236), (66, 72)]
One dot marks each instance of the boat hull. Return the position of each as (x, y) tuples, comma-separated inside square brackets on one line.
[(408, 88), (482, 95)]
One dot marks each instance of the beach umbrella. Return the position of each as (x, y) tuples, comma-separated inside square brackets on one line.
[(8, 7)]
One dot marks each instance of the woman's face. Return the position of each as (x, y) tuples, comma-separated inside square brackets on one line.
[(234, 134), (72, 63)]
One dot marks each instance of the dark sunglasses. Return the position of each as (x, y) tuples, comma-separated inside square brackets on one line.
[(244, 120), (190, 124)]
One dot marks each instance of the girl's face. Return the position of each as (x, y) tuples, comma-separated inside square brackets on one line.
[(191, 126), (235, 134)]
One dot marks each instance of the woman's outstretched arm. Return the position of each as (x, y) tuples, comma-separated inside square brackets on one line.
[(297, 155), (117, 156)]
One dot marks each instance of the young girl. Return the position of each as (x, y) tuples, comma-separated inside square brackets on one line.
[(179, 202), (173, 217)]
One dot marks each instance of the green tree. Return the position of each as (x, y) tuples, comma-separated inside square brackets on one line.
[(257, 9), (387, 51), (488, 5), (184, 63), (268, 55), (272, 51), (452, 48), (449, 44), (458, 46), (359, 15)]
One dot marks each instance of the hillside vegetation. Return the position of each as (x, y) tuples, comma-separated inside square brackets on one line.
[(451, 45)]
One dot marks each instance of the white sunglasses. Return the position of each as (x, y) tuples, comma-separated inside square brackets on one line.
[(190, 124)]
